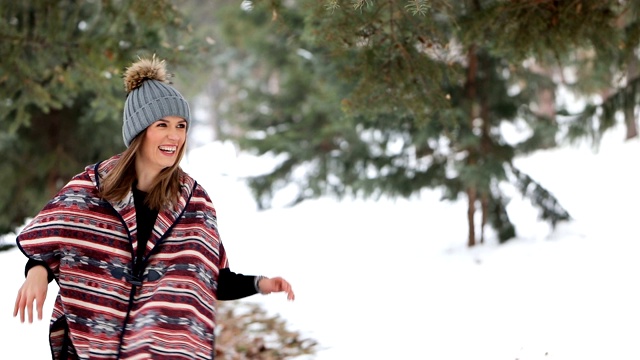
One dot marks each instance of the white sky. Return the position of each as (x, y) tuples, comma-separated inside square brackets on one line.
[(393, 279)]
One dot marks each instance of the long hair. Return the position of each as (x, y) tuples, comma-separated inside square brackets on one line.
[(165, 189)]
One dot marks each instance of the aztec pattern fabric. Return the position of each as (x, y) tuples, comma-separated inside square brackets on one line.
[(102, 310)]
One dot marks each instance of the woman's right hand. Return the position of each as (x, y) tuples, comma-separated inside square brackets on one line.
[(34, 288)]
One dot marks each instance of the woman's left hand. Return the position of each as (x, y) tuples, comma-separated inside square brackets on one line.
[(276, 284)]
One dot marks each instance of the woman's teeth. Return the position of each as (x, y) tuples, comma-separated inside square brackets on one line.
[(170, 149)]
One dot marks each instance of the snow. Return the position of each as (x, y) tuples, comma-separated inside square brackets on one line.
[(393, 279)]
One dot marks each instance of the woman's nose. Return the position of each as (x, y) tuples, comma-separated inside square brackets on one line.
[(174, 134)]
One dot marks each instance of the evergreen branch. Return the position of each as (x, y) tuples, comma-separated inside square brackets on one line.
[(418, 6), (549, 207), (359, 4), (595, 120), (498, 217), (332, 5)]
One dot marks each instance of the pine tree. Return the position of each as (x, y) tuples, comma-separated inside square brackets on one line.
[(391, 98)]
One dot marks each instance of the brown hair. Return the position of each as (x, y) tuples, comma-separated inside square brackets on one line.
[(165, 189)]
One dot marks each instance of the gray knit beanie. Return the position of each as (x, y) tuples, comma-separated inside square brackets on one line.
[(150, 97)]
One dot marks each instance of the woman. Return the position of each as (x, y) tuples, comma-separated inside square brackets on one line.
[(133, 244)]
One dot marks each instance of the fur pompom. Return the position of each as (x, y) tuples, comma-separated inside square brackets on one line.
[(142, 70)]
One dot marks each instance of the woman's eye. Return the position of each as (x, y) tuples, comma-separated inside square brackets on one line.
[(161, 124), (182, 126)]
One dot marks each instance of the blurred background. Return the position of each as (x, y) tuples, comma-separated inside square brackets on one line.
[(348, 141)]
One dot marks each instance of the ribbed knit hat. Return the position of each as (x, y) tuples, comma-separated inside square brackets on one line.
[(150, 97)]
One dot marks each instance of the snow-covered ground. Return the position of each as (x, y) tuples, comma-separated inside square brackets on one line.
[(393, 279)]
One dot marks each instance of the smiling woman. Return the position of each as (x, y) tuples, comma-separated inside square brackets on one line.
[(133, 244)]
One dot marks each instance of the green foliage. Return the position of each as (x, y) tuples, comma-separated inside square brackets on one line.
[(609, 80), (595, 119), (373, 100), (545, 30), (61, 93), (367, 102), (40, 158), (418, 7), (550, 209), (381, 52)]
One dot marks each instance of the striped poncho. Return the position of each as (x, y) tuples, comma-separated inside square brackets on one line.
[(103, 310)]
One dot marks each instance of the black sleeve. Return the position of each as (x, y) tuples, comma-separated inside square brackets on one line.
[(232, 286), (32, 263)]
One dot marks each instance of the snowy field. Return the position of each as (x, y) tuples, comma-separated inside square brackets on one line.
[(393, 279)]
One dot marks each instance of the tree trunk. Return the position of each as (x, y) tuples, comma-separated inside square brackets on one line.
[(485, 214), (471, 90), (471, 210), (630, 106), (485, 148)]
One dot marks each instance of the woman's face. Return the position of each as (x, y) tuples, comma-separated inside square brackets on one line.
[(162, 143)]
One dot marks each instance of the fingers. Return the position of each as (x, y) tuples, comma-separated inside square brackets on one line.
[(22, 313), (24, 303), (34, 289), (286, 287), (39, 305), (19, 305), (282, 285), (30, 310)]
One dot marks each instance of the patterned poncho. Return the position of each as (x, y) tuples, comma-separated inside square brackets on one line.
[(103, 310)]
